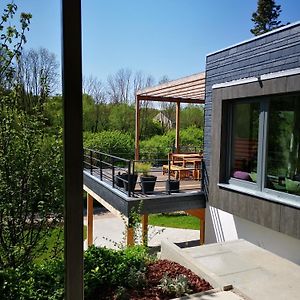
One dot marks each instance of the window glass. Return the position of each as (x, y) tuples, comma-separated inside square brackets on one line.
[(283, 145), (245, 126)]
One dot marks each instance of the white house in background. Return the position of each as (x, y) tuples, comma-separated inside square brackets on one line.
[(163, 120)]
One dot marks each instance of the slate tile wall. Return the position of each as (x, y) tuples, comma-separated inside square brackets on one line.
[(272, 52)]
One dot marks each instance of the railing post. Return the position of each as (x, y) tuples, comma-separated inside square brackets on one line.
[(100, 158), (169, 175), (202, 176), (91, 162), (113, 171), (129, 177)]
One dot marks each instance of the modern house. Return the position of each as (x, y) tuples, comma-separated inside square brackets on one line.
[(252, 142)]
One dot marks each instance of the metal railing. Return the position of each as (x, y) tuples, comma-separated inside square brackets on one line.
[(122, 174)]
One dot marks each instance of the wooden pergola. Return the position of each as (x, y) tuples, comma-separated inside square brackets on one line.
[(187, 90)]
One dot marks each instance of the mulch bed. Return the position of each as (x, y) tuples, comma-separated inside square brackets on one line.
[(154, 274)]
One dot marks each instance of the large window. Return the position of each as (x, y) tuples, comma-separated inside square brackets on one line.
[(265, 144)]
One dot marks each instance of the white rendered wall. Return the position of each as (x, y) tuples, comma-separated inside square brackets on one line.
[(222, 226)]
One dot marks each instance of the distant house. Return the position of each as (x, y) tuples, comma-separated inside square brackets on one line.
[(252, 142), (163, 120)]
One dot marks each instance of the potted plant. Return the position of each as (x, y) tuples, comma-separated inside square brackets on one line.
[(119, 179), (147, 181), (172, 185), (129, 181)]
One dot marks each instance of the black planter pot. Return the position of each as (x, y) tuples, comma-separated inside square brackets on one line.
[(148, 183), (132, 182), (119, 179), (172, 186)]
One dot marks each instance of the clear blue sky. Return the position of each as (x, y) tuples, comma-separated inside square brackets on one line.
[(158, 37)]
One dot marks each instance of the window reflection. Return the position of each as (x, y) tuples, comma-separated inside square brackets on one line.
[(245, 123), (283, 152)]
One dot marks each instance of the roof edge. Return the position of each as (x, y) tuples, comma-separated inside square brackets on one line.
[(256, 37)]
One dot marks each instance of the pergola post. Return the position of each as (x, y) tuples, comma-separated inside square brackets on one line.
[(199, 213), (145, 229), (137, 129), (90, 219), (177, 137)]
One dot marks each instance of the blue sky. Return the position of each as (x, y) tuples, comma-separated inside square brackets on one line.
[(158, 37)]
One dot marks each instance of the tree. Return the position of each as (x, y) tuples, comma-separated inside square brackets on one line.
[(12, 40), (266, 17), (192, 115), (94, 87), (122, 118), (118, 86), (37, 73), (31, 180)]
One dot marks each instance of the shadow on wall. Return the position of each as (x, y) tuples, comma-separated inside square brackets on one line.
[(220, 226), (223, 227)]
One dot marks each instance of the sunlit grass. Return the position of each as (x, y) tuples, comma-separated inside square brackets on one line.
[(175, 221)]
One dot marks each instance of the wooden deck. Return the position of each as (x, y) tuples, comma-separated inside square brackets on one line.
[(186, 184)]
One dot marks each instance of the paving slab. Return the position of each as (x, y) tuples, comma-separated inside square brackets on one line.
[(253, 271)]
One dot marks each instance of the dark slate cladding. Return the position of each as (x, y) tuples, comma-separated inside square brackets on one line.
[(276, 51)]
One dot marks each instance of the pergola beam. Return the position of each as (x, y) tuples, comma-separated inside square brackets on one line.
[(174, 83), (170, 99)]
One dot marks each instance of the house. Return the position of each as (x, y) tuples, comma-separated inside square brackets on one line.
[(252, 142), (163, 120)]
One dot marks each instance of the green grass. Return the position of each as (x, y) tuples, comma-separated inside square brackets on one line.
[(175, 221), (55, 244)]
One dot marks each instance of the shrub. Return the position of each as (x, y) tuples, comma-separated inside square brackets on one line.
[(39, 282), (111, 142), (177, 286), (159, 146), (105, 269)]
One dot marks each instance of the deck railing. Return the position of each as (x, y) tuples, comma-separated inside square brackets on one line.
[(122, 174)]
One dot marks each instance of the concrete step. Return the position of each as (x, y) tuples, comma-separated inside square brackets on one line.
[(252, 271)]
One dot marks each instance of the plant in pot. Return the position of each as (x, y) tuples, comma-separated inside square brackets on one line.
[(147, 181), (129, 181), (120, 178), (172, 185)]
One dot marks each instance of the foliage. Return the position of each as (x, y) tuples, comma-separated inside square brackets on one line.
[(111, 142), (40, 282), (142, 167), (30, 183), (12, 40), (160, 145), (106, 268), (177, 286), (192, 115), (36, 77), (89, 113), (122, 118), (53, 113), (266, 17)]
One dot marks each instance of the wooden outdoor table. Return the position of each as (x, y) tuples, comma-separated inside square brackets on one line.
[(186, 158)]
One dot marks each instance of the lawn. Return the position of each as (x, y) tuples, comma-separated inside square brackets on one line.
[(175, 221), (55, 244)]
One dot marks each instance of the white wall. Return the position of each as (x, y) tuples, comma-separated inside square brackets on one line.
[(222, 226)]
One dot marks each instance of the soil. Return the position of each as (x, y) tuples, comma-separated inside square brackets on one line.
[(154, 274)]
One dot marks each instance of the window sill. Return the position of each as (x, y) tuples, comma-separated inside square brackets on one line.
[(280, 198)]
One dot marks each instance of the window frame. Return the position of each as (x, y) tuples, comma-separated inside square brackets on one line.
[(260, 185)]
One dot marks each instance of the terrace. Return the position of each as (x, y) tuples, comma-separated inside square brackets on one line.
[(175, 182)]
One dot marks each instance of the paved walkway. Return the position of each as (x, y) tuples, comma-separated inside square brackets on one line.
[(109, 231), (256, 273)]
